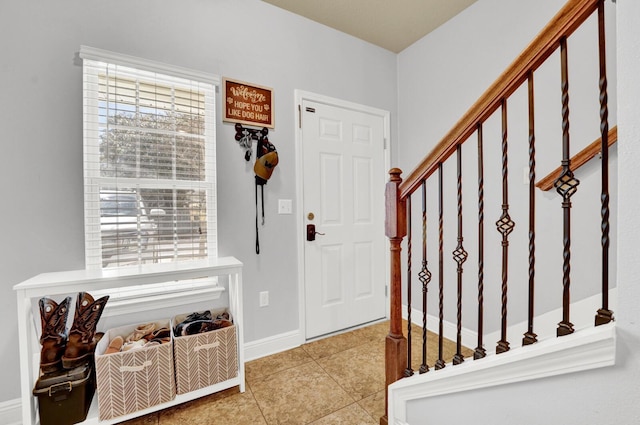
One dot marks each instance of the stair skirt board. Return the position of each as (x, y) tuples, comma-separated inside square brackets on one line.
[(587, 349)]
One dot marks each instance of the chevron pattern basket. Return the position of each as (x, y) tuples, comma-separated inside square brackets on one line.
[(133, 380), (205, 359)]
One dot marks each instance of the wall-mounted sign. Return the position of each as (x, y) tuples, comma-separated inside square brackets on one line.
[(247, 103)]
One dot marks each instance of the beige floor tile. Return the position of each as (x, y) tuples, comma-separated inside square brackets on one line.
[(374, 405), (265, 366), (343, 385), (299, 395), (350, 415), (217, 409), (335, 344), (150, 419), (153, 418), (378, 331), (359, 370)]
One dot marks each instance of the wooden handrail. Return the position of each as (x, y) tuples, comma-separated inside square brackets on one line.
[(563, 24), (579, 159)]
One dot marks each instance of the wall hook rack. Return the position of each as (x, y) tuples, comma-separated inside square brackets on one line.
[(245, 136)]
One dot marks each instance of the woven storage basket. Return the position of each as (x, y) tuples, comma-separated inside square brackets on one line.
[(204, 359), (133, 380)]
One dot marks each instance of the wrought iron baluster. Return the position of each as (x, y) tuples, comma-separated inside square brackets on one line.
[(604, 315), (409, 371), (480, 352), (460, 256), (566, 185), (505, 226), (530, 337), (425, 277), (440, 362)]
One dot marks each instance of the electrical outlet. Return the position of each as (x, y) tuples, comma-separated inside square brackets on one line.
[(264, 298)]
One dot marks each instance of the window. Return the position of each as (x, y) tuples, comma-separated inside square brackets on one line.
[(149, 161)]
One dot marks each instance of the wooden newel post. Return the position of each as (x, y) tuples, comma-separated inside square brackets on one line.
[(396, 230)]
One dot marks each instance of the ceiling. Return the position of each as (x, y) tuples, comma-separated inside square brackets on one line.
[(391, 24)]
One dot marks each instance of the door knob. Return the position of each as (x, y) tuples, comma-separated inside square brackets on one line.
[(311, 232)]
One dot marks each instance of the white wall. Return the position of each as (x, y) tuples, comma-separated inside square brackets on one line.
[(440, 77), (41, 110), (604, 396)]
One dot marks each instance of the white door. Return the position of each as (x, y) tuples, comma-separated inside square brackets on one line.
[(344, 178)]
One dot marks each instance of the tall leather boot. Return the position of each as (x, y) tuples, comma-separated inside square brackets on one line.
[(53, 317), (82, 339)]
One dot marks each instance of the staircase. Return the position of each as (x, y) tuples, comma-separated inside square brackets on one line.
[(466, 266)]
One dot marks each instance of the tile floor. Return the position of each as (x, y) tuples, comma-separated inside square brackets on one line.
[(336, 380)]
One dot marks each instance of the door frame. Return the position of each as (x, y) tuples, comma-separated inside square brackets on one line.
[(301, 96)]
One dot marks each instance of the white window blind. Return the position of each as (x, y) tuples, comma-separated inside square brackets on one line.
[(149, 161)]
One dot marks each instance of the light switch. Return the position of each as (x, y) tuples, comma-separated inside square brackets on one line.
[(285, 206)]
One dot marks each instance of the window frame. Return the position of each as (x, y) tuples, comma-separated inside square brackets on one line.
[(92, 178)]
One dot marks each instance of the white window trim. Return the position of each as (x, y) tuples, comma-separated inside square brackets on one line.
[(92, 53), (92, 223)]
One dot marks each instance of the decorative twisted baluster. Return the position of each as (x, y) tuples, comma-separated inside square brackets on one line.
[(425, 277), (604, 315), (530, 337), (505, 226), (566, 185), (480, 352), (409, 371), (460, 256), (440, 362)]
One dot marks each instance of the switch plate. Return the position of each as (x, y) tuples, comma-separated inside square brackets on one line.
[(285, 206), (264, 298)]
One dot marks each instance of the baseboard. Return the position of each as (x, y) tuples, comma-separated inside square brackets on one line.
[(582, 315), (10, 412), (544, 325), (271, 345), (450, 330)]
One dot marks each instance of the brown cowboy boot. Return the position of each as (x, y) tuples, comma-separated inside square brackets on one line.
[(53, 317), (82, 338)]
